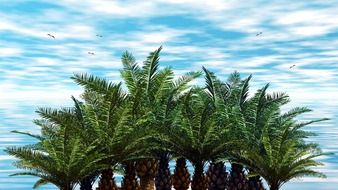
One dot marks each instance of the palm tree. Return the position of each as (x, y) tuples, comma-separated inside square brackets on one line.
[(85, 132), (257, 111), (201, 134), (278, 152), (60, 156), (107, 115), (154, 94), (253, 113)]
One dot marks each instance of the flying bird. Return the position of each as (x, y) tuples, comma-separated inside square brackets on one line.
[(292, 66), (99, 35), (52, 36), (260, 33), (91, 53)]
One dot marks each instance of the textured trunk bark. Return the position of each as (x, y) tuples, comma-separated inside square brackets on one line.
[(163, 177), (199, 181), (147, 184), (129, 181), (217, 176), (146, 170), (237, 179), (255, 183), (181, 177), (107, 181)]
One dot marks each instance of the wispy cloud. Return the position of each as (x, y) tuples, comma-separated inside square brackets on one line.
[(9, 52)]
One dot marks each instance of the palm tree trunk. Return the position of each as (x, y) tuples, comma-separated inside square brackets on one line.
[(107, 181), (163, 177), (146, 169), (237, 179), (199, 181), (255, 183), (129, 181), (181, 177), (67, 186), (217, 176), (147, 183), (87, 182), (274, 186)]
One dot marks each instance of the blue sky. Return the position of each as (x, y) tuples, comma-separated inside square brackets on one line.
[(220, 35)]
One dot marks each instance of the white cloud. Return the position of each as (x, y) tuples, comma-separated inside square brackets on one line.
[(40, 30), (116, 8), (310, 30), (159, 35), (6, 157), (46, 61), (10, 51), (304, 17), (13, 95)]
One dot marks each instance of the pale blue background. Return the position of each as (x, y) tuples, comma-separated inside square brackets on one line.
[(219, 34)]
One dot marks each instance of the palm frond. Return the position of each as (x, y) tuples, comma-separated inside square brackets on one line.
[(40, 183), (130, 72), (94, 83), (210, 84), (38, 137), (151, 68), (234, 78), (244, 92)]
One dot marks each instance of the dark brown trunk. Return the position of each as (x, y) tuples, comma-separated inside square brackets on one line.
[(129, 181), (147, 184), (146, 171), (181, 177), (67, 187), (237, 179), (163, 180), (217, 176), (255, 183), (107, 181), (274, 186), (87, 182), (199, 181)]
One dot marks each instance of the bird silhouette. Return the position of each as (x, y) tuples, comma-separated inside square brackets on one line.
[(260, 33), (52, 36), (91, 53), (99, 35), (292, 66)]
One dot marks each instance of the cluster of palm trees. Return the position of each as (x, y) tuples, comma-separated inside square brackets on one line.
[(137, 127)]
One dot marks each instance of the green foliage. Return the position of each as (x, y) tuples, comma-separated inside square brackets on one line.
[(107, 116), (201, 131), (60, 157), (274, 146)]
